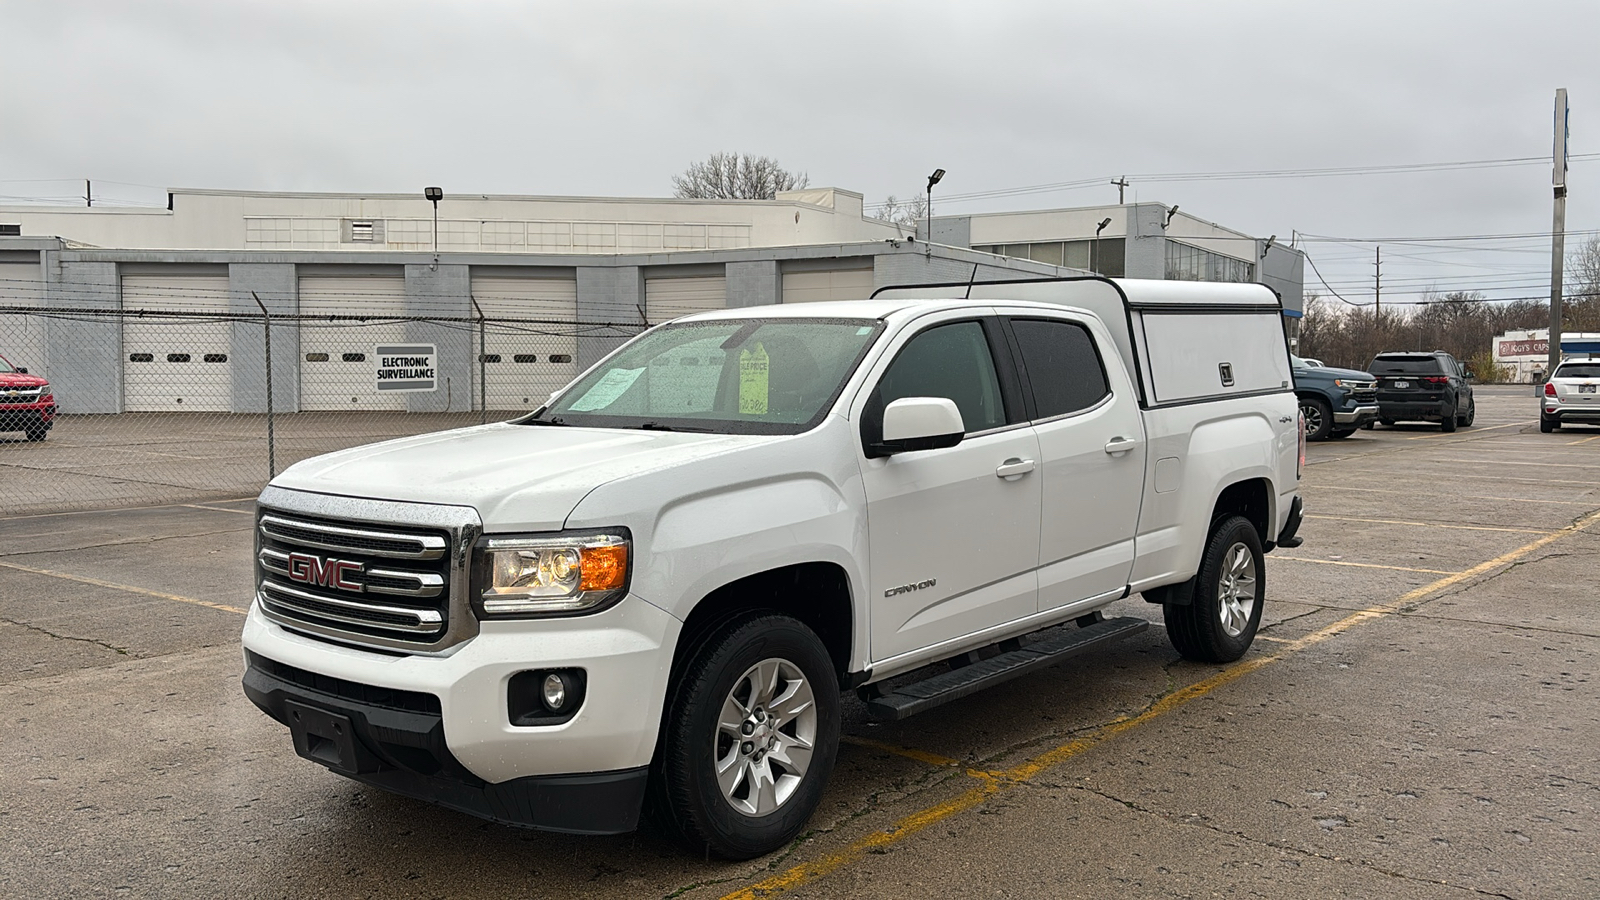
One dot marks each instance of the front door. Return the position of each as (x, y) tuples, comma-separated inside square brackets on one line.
[(953, 534)]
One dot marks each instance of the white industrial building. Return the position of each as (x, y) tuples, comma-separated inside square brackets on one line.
[(158, 295)]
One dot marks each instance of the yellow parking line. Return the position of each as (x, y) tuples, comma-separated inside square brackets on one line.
[(1584, 441), (1340, 562), (922, 756), (807, 872), (1457, 434), (82, 579), (1507, 462), (1434, 525), (1339, 487)]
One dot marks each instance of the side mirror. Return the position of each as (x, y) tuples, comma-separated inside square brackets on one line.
[(919, 423), (21, 370)]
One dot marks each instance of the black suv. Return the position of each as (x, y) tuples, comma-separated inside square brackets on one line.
[(1431, 387)]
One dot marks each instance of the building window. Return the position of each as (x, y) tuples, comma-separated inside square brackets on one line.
[(1104, 256), (1188, 263), (10, 230)]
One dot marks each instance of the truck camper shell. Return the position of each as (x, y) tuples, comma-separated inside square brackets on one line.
[(1185, 341)]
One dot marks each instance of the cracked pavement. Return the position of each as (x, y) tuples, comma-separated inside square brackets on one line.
[(1448, 748)]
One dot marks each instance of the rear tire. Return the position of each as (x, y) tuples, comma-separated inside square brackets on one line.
[(1318, 417), (772, 675), (1387, 423), (1448, 423), (1341, 434), (1219, 623), (1548, 425), (1472, 413)]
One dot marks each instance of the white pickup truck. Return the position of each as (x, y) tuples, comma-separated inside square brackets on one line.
[(650, 594)]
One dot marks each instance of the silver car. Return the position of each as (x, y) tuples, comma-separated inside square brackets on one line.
[(1572, 395)]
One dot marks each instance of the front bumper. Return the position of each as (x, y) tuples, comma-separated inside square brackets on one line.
[(1358, 415), (464, 752), (19, 417)]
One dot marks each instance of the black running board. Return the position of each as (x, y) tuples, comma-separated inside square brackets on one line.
[(944, 687)]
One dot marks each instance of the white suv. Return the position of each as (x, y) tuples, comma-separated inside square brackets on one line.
[(1571, 395)]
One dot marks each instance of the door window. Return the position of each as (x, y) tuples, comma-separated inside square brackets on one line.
[(1063, 366), (951, 361)]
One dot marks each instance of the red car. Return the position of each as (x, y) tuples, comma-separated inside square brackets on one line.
[(26, 403)]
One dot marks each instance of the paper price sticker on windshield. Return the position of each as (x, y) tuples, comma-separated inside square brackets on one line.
[(753, 381), (605, 392)]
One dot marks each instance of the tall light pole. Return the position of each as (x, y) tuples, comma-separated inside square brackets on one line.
[(435, 194), (1558, 230), (1094, 248), (935, 178)]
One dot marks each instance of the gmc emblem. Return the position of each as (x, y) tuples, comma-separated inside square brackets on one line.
[(308, 569)]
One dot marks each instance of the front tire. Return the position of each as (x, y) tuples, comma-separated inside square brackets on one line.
[(1318, 417), (750, 740), (1220, 622), (38, 432)]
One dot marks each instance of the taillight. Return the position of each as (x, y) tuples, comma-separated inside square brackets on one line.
[(1300, 461), (1436, 379), (1549, 389)]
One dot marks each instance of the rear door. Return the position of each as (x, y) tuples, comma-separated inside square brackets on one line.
[(953, 534), (1091, 451)]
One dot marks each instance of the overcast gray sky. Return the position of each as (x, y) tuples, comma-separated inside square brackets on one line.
[(613, 98)]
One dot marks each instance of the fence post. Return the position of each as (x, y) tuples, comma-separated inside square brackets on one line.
[(483, 381), (272, 459)]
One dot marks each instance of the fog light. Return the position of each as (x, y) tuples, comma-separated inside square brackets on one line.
[(555, 692)]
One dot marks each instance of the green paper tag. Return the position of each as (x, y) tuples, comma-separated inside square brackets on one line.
[(753, 381)]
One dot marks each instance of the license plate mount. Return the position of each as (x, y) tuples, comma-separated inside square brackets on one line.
[(1402, 384), (328, 738), (1587, 388)]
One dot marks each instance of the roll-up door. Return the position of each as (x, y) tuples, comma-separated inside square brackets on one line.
[(22, 339), (175, 363), (669, 298), (338, 366), (827, 284), (530, 343)]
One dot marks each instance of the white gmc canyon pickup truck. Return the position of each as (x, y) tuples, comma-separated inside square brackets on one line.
[(650, 594)]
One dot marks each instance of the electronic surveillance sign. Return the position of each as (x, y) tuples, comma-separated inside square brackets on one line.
[(407, 367)]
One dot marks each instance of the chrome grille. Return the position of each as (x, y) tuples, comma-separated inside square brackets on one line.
[(1364, 391), (20, 395), (354, 578)]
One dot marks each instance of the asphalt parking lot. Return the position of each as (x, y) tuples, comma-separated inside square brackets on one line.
[(1419, 719)]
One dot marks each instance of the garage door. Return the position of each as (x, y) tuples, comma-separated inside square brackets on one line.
[(22, 336), (176, 363), (669, 298), (525, 361), (338, 368), (827, 284)]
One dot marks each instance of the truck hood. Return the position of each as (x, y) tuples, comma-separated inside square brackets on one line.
[(518, 477), (1327, 374), (19, 380)]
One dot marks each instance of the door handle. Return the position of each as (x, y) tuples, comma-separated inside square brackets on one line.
[(1120, 445), (1014, 468)]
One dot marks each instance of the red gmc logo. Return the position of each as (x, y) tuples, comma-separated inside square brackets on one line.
[(308, 569)]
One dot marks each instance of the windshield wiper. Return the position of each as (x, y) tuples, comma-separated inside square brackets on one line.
[(553, 420), (657, 426)]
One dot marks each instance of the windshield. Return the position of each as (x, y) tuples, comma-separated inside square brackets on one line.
[(1578, 370), (731, 376), (5, 367), (1405, 365)]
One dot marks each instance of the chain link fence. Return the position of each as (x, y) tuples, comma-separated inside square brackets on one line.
[(172, 405)]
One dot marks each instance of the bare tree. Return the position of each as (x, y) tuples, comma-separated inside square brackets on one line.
[(1582, 296), (905, 213), (736, 176)]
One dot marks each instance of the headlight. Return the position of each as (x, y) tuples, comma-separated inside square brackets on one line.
[(557, 575)]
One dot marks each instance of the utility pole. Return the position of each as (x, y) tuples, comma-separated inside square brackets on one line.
[(1558, 229), (1377, 285), (88, 193), (1122, 185)]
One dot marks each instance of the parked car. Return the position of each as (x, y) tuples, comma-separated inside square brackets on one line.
[(1313, 363), (1571, 395), (26, 403), (1427, 387), (650, 592), (1333, 402)]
